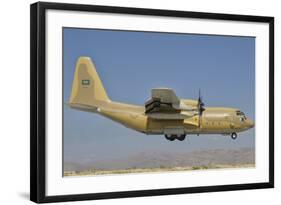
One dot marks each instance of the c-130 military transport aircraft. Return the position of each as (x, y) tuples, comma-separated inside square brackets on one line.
[(164, 113)]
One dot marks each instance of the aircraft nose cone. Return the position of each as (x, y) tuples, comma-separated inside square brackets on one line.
[(250, 123)]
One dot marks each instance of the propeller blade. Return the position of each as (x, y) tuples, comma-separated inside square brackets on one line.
[(201, 108)]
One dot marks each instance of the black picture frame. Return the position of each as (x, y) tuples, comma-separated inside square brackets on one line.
[(38, 101)]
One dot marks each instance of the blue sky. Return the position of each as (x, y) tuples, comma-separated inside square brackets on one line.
[(131, 63)]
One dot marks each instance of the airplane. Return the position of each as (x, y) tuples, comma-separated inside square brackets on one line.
[(163, 114)]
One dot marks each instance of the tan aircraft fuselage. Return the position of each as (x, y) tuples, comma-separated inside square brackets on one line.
[(215, 120), (88, 94)]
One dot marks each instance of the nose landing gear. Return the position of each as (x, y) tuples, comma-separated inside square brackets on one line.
[(233, 135)]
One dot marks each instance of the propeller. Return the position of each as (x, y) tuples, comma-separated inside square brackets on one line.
[(200, 107)]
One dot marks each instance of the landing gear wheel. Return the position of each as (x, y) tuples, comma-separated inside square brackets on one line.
[(181, 137), (233, 135), (170, 137)]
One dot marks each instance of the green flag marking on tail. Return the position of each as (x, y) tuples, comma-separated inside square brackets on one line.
[(85, 82)]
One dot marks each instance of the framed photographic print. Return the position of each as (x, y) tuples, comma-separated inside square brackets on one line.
[(129, 102)]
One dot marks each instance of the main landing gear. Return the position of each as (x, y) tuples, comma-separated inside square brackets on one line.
[(233, 135), (173, 137)]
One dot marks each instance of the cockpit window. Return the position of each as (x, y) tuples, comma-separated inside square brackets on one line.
[(241, 115), (238, 112)]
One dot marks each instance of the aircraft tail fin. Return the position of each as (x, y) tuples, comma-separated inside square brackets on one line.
[(87, 88)]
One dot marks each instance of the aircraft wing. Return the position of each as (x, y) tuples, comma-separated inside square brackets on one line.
[(164, 104)]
